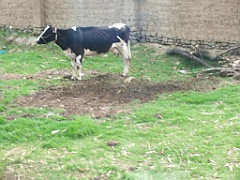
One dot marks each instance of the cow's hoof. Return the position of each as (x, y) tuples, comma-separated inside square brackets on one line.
[(73, 78), (67, 77), (129, 79), (82, 74)]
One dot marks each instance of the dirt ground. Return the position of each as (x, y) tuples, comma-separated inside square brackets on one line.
[(103, 95)]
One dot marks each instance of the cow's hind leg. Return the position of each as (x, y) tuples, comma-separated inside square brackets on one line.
[(74, 69), (124, 50), (129, 55), (79, 67), (126, 60), (126, 66)]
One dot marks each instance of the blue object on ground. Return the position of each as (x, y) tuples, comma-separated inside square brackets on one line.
[(3, 51)]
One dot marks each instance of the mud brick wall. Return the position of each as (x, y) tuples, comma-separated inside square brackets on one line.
[(67, 13), (22, 14), (16, 13), (189, 22), (215, 23)]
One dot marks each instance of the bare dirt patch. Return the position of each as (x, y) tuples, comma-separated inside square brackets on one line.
[(105, 95)]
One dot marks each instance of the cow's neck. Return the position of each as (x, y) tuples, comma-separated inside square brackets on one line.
[(60, 40)]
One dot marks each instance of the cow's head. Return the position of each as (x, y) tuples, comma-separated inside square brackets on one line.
[(48, 35)]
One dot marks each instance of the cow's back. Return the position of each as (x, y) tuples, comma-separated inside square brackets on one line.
[(98, 39)]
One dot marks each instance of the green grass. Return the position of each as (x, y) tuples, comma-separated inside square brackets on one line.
[(25, 62), (196, 138)]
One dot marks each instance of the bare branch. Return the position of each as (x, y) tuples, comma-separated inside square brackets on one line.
[(187, 55)]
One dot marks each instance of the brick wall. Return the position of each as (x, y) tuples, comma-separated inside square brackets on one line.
[(213, 23), (67, 13), (17, 13), (173, 21)]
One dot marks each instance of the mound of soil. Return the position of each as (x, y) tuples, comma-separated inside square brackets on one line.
[(107, 94)]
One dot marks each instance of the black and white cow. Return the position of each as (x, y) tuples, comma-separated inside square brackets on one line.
[(79, 41)]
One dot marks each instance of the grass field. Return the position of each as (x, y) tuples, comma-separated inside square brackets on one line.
[(190, 134)]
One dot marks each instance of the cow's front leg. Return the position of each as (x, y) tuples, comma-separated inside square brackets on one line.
[(74, 69), (79, 67)]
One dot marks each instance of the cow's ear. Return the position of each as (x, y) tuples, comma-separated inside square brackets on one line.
[(54, 30)]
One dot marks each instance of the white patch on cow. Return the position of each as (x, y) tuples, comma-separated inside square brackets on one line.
[(43, 32), (118, 25), (78, 59), (114, 51), (88, 52), (74, 28), (122, 48), (70, 54)]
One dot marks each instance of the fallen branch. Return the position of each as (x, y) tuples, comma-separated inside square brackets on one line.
[(212, 70), (205, 56), (226, 72), (231, 69), (224, 52), (201, 54), (188, 55)]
